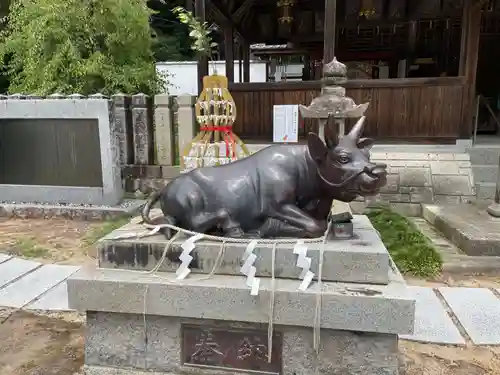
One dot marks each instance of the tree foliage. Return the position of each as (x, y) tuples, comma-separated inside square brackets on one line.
[(199, 32), (83, 46), (172, 42)]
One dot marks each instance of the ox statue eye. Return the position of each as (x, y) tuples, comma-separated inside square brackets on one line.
[(344, 159)]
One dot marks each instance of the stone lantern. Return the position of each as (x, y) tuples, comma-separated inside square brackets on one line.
[(333, 100)]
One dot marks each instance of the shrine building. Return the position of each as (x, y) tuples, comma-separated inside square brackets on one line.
[(420, 63)]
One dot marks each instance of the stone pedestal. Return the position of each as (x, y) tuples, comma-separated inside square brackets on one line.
[(142, 323)]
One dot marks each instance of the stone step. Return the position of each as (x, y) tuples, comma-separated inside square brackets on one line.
[(472, 229), (484, 155), (485, 173), (485, 190), (386, 309), (363, 259)]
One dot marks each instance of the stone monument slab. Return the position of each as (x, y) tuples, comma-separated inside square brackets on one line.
[(103, 189)]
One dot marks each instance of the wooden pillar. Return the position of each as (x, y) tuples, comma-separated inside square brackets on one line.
[(412, 44), (246, 62), (272, 67), (200, 13), (229, 48), (469, 52), (330, 25), (240, 61), (306, 70)]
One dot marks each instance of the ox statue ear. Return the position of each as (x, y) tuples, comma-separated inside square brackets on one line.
[(317, 149), (365, 143)]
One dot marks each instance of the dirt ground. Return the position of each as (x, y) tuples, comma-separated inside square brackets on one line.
[(40, 345), (51, 241), (52, 344), (470, 281), (36, 344)]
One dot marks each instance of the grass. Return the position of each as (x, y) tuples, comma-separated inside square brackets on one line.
[(412, 251), (28, 248), (96, 233)]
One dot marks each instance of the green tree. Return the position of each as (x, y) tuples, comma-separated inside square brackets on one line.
[(79, 46), (172, 42)]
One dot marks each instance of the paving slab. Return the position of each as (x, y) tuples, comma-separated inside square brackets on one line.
[(432, 323), (14, 268), (55, 299), (4, 257), (478, 310), (26, 289)]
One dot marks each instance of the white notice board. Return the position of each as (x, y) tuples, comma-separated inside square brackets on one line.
[(286, 123)]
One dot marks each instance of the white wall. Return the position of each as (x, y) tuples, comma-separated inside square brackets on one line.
[(183, 75)]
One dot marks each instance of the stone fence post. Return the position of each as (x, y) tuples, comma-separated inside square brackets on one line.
[(122, 128), (164, 130), (142, 130), (186, 119), (494, 208)]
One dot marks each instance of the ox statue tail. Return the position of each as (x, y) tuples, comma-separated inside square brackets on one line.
[(152, 200)]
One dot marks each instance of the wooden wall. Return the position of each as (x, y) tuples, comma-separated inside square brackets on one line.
[(400, 109)]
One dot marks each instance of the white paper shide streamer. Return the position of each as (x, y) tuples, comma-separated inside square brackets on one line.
[(304, 262), (186, 257), (249, 270)]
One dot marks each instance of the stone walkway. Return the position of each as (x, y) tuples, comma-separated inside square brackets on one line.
[(443, 315)]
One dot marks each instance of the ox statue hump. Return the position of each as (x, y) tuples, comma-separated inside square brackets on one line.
[(280, 191)]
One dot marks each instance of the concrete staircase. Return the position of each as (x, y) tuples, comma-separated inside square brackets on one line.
[(484, 160)]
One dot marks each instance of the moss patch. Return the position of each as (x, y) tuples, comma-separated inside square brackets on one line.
[(29, 248), (411, 250), (96, 233)]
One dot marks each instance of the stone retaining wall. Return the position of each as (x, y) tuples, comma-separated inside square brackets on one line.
[(414, 178)]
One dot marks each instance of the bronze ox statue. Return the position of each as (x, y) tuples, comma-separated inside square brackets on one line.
[(280, 191)]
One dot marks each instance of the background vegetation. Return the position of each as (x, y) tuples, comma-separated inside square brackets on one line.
[(89, 46)]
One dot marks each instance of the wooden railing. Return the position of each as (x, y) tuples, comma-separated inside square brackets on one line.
[(400, 109)]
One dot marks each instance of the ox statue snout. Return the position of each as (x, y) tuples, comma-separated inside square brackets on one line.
[(373, 178), (376, 170)]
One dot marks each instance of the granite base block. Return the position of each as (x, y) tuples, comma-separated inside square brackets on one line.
[(362, 259), (369, 308), (127, 208), (116, 345)]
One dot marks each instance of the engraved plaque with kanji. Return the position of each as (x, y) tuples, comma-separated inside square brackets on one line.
[(238, 349)]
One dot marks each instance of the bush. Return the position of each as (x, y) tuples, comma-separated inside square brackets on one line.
[(79, 46)]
